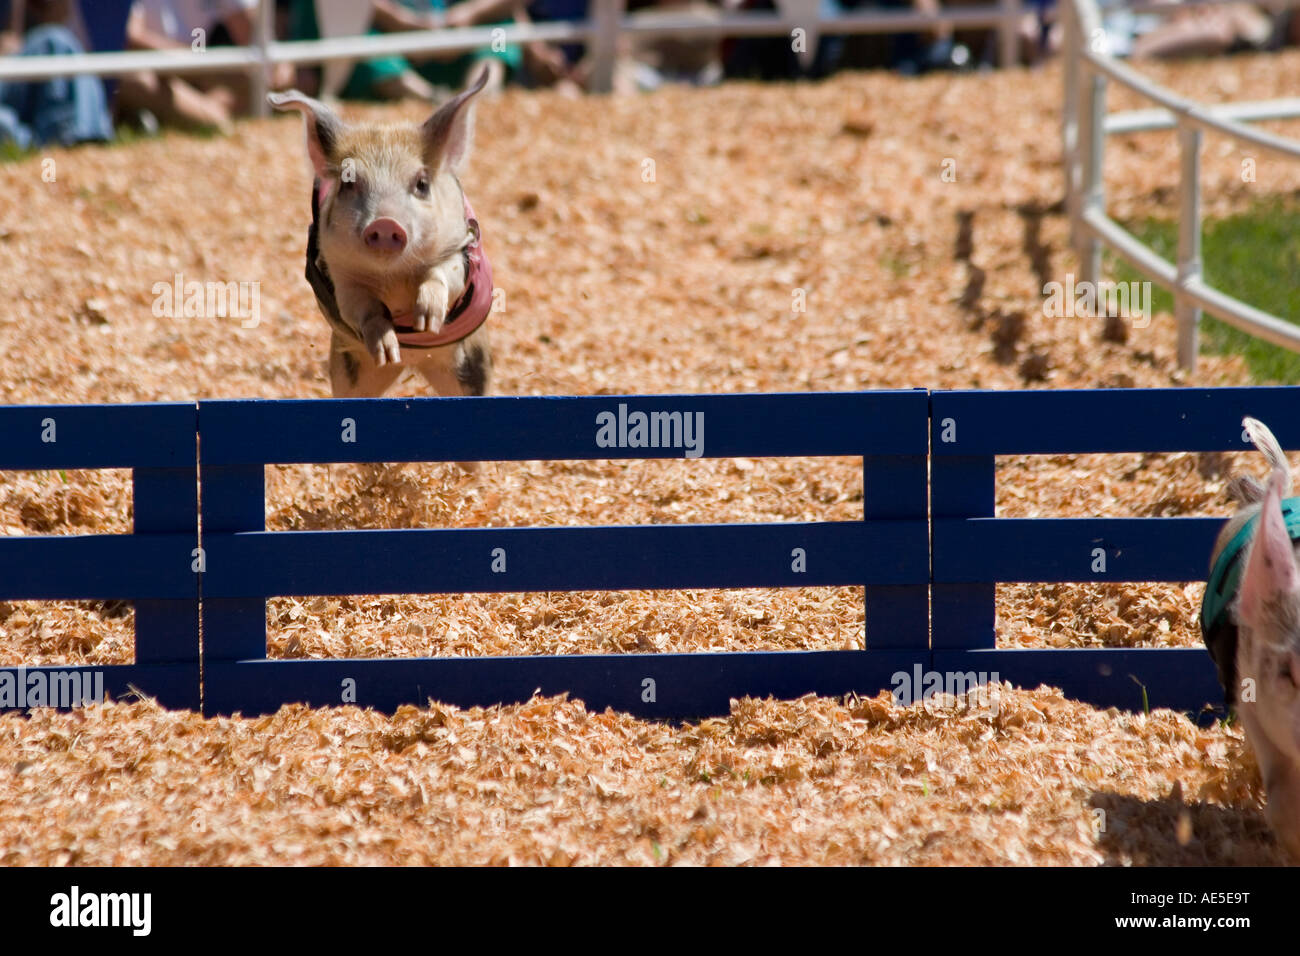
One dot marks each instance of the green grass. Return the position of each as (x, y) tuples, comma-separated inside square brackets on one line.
[(1254, 256), (11, 153), (123, 135)]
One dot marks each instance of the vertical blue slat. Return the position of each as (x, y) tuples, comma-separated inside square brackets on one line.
[(962, 615), (166, 501), (893, 486), (234, 500)]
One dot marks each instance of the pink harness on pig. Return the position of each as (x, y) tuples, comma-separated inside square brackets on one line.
[(469, 311)]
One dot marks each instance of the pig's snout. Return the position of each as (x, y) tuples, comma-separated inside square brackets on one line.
[(385, 235)]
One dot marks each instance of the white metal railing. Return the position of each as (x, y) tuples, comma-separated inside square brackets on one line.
[(607, 21), (1085, 125)]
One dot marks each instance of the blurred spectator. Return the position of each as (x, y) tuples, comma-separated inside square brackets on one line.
[(196, 101), (555, 64), (1286, 28), (1036, 31), (105, 23), (937, 49), (424, 76), (640, 64), (62, 110), (649, 63), (907, 52), (1206, 31), (771, 58)]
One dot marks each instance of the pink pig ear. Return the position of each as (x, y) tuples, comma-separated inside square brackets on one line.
[(1270, 570), (323, 126), (447, 133)]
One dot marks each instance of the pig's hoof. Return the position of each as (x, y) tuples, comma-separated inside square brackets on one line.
[(384, 348), (430, 307)]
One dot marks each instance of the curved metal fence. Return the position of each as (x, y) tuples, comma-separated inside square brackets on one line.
[(1088, 68)]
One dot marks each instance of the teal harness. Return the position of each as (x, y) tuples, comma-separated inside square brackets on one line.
[(1225, 576)]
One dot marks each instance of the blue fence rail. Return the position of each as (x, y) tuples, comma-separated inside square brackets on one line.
[(153, 567), (887, 552), (929, 553)]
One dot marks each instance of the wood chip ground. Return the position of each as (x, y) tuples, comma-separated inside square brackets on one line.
[(615, 284)]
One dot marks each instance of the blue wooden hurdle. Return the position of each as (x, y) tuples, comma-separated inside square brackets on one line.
[(972, 549), (929, 556), (153, 566), (887, 551)]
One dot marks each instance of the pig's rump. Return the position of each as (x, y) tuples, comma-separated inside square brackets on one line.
[(1218, 623)]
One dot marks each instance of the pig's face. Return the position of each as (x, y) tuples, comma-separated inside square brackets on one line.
[(385, 210), (390, 203)]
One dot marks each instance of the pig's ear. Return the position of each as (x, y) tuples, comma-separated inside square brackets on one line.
[(447, 133), (1271, 569), (1263, 440), (323, 126)]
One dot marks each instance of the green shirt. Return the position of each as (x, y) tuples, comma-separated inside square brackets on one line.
[(368, 74)]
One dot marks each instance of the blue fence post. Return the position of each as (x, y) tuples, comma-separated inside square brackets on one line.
[(234, 500), (896, 617), (963, 615), (166, 501)]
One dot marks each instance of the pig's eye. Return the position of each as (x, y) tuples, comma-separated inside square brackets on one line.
[(421, 186)]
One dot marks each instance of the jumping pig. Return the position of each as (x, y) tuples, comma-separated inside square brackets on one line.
[(394, 253), (1250, 619)]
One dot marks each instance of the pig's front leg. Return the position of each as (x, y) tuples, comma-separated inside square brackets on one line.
[(432, 302), (368, 316), (381, 339), (433, 298)]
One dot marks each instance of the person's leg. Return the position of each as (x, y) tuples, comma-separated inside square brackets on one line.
[(407, 85), (231, 90), (173, 101), (12, 130), (1199, 34), (62, 110)]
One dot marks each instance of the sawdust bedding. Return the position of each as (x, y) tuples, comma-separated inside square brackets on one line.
[(614, 285)]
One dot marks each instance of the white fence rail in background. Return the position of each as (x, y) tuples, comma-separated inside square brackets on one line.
[(607, 22), (1085, 125)]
